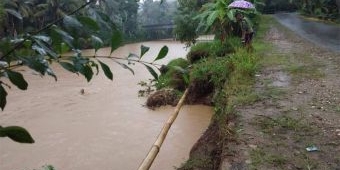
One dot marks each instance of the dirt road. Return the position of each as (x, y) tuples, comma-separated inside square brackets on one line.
[(322, 34), (298, 107)]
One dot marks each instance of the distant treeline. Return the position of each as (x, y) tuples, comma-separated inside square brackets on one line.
[(324, 9)]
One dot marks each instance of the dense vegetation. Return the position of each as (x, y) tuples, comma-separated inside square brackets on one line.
[(323, 9)]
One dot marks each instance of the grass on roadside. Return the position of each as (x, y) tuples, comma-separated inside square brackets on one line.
[(260, 157)]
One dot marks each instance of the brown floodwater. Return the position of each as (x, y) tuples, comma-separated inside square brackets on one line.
[(107, 127)]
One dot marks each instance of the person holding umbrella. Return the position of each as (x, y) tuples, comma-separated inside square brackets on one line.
[(247, 31)]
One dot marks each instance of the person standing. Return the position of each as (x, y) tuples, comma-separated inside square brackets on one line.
[(247, 31)]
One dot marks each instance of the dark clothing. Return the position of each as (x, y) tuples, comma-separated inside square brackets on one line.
[(247, 31), (245, 26), (248, 37)]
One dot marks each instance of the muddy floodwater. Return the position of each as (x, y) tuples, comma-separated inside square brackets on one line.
[(107, 127)]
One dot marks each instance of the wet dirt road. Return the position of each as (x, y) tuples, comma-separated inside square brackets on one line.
[(322, 34), (106, 128)]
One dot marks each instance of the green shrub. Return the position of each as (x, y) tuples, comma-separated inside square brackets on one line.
[(199, 51), (227, 47), (244, 63), (214, 48), (212, 70), (172, 76)]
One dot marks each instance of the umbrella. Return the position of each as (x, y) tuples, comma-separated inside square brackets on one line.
[(241, 4)]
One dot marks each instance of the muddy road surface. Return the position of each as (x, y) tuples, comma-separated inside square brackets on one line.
[(321, 34)]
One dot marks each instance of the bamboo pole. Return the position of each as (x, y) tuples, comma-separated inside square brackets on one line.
[(148, 160)]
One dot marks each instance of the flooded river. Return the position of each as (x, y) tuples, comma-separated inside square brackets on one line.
[(107, 127)]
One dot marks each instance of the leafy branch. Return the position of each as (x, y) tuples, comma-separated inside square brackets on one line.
[(44, 28)]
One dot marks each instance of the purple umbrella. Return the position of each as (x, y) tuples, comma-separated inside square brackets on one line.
[(241, 4)]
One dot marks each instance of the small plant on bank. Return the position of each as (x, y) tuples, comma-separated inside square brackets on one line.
[(213, 71), (173, 75), (199, 51)]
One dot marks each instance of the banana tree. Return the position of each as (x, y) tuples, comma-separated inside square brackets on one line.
[(216, 17)]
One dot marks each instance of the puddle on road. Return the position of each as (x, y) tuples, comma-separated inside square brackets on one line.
[(280, 79)]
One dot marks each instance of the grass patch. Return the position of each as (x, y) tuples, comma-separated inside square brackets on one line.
[(274, 60), (281, 124), (273, 93), (214, 48), (214, 70), (192, 163), (260, 157), (337, 109), (172, 76), (304, 71)]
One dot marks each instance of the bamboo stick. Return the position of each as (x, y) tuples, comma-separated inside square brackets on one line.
[(148, 160)]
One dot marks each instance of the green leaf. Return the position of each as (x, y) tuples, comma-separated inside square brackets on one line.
[(28, 43), (68, 66), (17, 134), (44, 38), (164, 51), (93, 64), (64, 48), (66, 37), (14, 13), (152, 72), (212, 18), (38, 64), (71, 22), (17, 79), (39, 50), (88, 22), (116, 40), (45, 48), (86, 70), (3, 95), (106, 70), (96, 42), (126, 67), (131, 55), (143, 50)]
